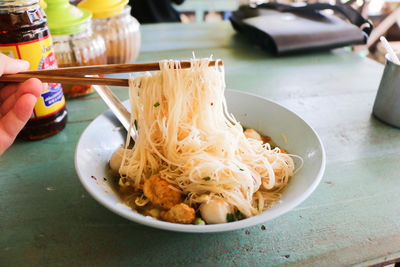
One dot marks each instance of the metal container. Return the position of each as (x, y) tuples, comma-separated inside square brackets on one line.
[(387, 102)]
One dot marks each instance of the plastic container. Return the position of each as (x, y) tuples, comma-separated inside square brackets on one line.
[(74, 41), (121, 31), (24, 34)]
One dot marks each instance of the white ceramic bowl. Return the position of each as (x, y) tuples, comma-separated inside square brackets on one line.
[(104, 135)]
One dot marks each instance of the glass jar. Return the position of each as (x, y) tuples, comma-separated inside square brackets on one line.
[(79, 49), (24, 34), (121, 32), (122, 36), (74, 41)]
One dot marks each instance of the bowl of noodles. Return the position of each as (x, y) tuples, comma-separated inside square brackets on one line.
[(203, 159)]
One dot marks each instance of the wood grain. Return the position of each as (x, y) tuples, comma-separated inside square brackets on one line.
[(108, 69), (65, 79), (74, 75)]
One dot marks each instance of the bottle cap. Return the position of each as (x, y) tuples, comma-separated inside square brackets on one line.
[(64, 18), (103, 9), (42, 4)]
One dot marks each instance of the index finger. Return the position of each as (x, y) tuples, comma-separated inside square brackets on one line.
[(9, 65)]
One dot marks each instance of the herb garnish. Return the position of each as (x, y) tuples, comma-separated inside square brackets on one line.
[(207, 178), (230, 217), (238, 215), (156, 104)]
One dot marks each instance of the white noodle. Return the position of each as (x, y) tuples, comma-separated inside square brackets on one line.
[(186, 133)]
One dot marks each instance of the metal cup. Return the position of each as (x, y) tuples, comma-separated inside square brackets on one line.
[(387, 101)]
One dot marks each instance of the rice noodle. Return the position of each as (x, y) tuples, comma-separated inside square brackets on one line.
[(186, 133)]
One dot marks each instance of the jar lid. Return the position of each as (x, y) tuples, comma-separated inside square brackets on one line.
[(64, 18), (42, 4), (103, 9)]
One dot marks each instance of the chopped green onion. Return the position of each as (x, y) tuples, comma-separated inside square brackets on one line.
[(156, 104), (199, 221), (135, 123), (240, 169), (207, 178), (230, 217), (239, 215)]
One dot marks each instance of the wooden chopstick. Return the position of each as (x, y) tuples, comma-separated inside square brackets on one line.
[(79, 80), (108, 69), (76, 75)]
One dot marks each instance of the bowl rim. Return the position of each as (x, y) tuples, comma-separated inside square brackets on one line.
[(136, 217)]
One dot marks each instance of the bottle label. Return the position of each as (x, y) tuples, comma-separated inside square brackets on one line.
[(40, 55)]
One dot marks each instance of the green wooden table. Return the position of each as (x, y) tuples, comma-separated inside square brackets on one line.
[(353, 217)]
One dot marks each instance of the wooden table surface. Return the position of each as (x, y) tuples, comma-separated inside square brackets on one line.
[(353, 217)]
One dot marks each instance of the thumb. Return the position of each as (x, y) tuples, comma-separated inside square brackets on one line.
[(9, 65)]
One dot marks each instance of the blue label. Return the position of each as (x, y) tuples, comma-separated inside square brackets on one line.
[(54, 95)]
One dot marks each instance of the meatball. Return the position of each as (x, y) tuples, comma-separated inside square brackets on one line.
[(158, 191), (180, 213), (116, 159)]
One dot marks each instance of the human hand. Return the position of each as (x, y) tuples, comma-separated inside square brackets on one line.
[(17, 101)]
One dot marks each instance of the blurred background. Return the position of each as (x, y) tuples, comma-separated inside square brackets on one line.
[(385, 15)]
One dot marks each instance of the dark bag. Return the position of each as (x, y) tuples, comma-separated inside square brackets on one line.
[(286, 29)]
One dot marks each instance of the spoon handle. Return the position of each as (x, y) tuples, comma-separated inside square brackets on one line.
[(115, 105)]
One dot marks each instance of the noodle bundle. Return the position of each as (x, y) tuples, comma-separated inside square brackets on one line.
[(186, 135)]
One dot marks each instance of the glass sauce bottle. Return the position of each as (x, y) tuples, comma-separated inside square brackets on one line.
[(24, 35)]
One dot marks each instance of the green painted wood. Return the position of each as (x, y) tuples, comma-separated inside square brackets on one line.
[(353, 217), (202, 6)]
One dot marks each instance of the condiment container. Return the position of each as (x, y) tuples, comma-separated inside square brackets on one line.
[(24, 34), (387, 100), (75, 44), (121, 31)]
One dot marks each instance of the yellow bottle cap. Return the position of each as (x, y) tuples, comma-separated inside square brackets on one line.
[(102, 9), (43, 4)]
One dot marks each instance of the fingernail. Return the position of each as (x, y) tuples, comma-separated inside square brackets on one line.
[(25, 64)]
